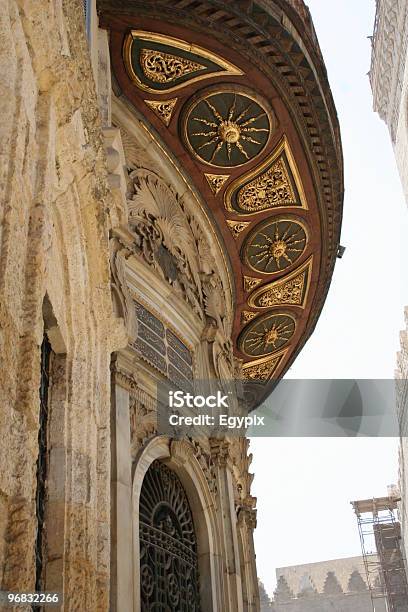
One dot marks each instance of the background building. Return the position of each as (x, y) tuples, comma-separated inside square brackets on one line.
[(172, 198), (339, 584), (264, 600), (389, 83)]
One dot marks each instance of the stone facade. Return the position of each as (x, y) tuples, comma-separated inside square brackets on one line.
[(115, 276), (337, 585), (70, 180), (57, 211), (389, 82)]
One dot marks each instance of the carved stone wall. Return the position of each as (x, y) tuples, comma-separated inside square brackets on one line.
[(173, 290), (54, 267)]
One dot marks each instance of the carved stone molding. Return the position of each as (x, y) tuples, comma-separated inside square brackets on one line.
[(143, 418), (187, 450), (220, 452), (125, 379), (247, 517)]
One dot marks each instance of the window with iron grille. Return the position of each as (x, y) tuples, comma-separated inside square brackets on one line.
[(161, 348), (168, 546)]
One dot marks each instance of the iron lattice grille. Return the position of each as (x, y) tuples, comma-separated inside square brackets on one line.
[(168, 547), (161, 348), (42, 462)]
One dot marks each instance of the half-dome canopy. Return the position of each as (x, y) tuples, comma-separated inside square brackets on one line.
[(237, 92)]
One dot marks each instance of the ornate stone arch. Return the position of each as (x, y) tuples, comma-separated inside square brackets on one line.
[(179, 455)]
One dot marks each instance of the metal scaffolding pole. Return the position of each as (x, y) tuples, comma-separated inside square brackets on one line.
[(380, 536)]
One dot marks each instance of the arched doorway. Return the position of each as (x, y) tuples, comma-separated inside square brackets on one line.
[(169, 580)]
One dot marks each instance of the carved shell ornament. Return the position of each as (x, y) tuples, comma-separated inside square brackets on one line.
[(172, 241), (226, 128), (274, 245), (165, 236)]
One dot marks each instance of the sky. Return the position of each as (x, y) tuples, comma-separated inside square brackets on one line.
[(304, 486)]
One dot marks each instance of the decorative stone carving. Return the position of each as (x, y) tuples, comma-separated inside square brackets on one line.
[(267, 334), (250, 283), (161, 67), (226, 128), (120, 289), (163, 109), (143, 418), (126, 380), (207, 465), (241, 461), (291, 290), (171, 240), (388, 60), (275, 183), (159, 63), (270, 190), (247, 516), (135, 156), (237, 227), (262, 370), (247, 316), (220, 451), (275, 244), (216, 181)]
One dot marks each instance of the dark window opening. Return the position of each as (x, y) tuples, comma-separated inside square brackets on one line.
[(42, 464)]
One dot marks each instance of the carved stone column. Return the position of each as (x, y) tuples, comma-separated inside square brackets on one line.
[(227, 525), (121, 597), (246, 525)]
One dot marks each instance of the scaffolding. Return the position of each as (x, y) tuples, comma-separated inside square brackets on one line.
[(380, 536)]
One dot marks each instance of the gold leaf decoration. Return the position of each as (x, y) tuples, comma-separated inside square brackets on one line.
[(216, 181), (251, 282), (275, 244), (290, 291), (266, 334), (237, 227), (271, 189), (263, 369), (161, 67), (247, 316), (275, 183), (158, 63), (163, 109), (226, 128)]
